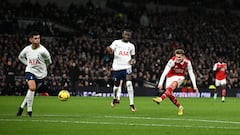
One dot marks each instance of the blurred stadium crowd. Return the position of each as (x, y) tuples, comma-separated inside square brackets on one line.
[(77, 36)]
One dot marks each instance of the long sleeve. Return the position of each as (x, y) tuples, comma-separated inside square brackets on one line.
[(192, 75), (47, 57), (166, 70), (22, 57)]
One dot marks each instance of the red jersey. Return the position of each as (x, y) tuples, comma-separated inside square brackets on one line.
[(220, 69), (178, 69)]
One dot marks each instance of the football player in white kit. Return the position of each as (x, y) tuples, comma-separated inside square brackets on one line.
[(36, 58), (124, 52)]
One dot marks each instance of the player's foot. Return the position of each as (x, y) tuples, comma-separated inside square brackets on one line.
[(157, 100), (20, 110), (180, 111), (115, 101), (29, 114), (132, 108)]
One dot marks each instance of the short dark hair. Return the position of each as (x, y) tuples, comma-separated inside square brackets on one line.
[(180, 51), (33, 33)]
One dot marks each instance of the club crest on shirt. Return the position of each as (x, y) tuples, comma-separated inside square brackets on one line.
[(179, 69)]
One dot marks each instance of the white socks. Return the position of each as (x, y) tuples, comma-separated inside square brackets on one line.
[(115, 89), (215, 96), (119, 92), (130, 92), (28, 100)]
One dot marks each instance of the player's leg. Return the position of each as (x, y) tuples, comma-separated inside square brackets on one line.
[(170, 86), (28, 100), (115, 92), (217, 84), (30, 96), (20, 109), (169, 90), (119, 91), (130, 90), (215, 91), (223, 86), (174, 99), (116, 88), (176, 103), (223, 93), (116, 83)]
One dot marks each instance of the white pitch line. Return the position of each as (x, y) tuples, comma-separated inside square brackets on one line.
[(175, 119), (112, 123), (142, 118)]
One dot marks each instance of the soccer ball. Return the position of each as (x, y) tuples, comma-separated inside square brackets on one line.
[(63, 95)]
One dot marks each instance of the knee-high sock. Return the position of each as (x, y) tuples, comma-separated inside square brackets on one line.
[(115, 89), (29, 98), (167, 93), (130, 92), (119, 91), (215, 93), (223, 92), (174, 100), (25, 100)]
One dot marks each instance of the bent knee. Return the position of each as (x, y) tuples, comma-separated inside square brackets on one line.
[(32, 88), (32, 85), (129, 83)]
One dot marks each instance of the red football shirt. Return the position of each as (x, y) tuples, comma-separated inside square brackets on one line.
[(220, 69)]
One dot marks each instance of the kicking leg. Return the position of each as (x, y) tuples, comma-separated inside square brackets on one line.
[(167, 93)]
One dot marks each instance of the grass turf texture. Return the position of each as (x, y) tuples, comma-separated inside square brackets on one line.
[(94, 116)]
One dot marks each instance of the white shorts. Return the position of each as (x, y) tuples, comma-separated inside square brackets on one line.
[(220, 82), (178, 79)]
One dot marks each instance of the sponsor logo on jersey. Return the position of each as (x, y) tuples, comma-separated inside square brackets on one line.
[(34, 61), (123, 53)]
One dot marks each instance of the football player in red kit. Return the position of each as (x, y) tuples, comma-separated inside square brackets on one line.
[(220, 70), (174, 73)]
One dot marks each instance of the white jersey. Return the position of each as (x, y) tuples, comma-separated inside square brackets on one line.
[(35, 59), (122, 54)]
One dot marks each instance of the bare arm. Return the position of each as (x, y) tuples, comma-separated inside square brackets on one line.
[(109, 50), (132, 61)]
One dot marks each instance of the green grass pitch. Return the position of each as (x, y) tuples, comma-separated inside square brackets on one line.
[(94, 116)]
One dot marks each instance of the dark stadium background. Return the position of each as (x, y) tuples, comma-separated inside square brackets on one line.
[(79, 31)]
